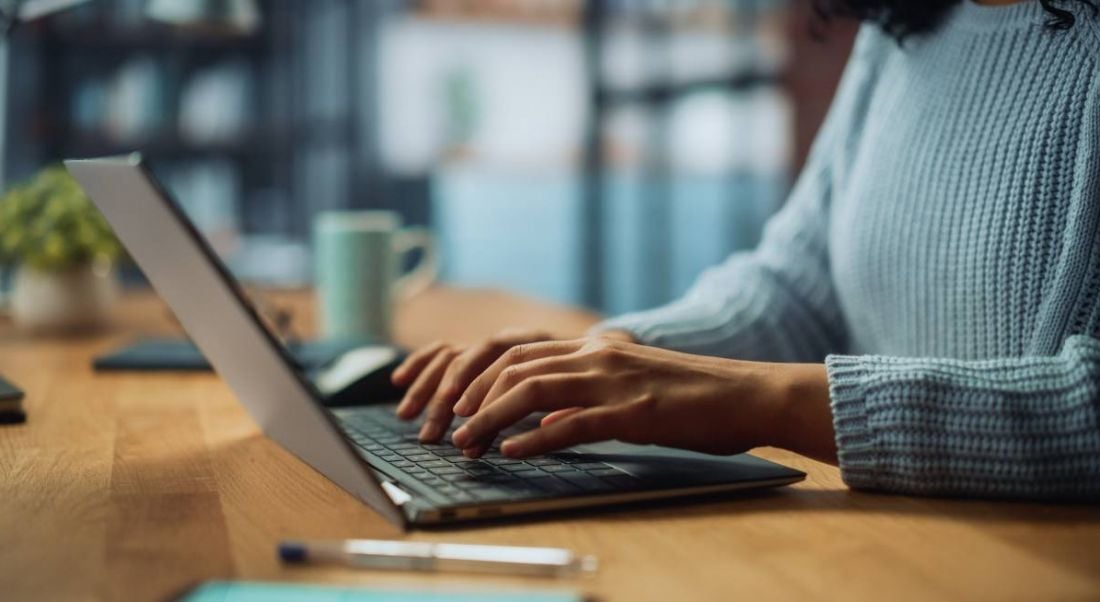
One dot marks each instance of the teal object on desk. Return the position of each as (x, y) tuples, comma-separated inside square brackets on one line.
[(245, 591), (358, 271)]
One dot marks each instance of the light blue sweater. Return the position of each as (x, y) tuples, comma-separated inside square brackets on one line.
[(941, 254)]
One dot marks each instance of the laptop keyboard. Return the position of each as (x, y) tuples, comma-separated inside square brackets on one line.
[(391, 445)]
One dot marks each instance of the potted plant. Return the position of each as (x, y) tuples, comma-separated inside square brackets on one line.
[(63, 252)]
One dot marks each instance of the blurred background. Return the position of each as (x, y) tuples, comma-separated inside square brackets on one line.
[(596, 153)]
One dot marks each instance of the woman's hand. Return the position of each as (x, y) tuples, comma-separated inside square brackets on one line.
[(600, 389), (437, 374)]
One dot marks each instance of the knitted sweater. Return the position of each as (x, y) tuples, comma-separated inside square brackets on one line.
[(941, 254)]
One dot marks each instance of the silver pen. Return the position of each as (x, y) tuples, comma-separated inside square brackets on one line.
[(418, 556)]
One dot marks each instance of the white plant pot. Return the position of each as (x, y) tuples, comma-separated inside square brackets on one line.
[(73, 300)]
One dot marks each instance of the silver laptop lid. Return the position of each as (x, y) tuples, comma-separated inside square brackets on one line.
[(207, 301)]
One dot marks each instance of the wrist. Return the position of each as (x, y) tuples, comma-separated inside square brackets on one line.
[(802, 419)]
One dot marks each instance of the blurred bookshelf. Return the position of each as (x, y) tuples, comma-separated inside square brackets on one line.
[(624, 144), (227, 119)]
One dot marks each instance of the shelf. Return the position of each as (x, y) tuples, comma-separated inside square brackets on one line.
[(150, 36), (667, 92), (169, 145)]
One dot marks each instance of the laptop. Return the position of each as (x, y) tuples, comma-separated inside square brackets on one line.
[(366, 449)]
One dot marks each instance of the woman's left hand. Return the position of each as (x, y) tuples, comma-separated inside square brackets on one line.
[(600, 389)]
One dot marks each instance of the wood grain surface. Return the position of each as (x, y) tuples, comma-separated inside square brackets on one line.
[(134, 486)]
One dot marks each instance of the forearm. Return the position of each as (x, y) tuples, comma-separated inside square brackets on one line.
[(744, 309)]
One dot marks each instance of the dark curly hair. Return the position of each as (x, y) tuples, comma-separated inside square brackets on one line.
[(902, 18)]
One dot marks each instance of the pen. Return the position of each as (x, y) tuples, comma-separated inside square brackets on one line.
[(418, 556)]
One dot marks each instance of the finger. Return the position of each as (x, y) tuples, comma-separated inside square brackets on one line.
[(513, 375), (424, 386), (466, 368), (469, 365), (589, 425), (476, 451), (475, 393), (407, 371), (434, 426), (535, 394), (440, 408), (553, 417)]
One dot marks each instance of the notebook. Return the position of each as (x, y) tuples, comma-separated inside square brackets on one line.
[(248, 591)]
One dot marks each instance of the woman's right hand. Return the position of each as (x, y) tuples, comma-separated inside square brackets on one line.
[(436, 375)]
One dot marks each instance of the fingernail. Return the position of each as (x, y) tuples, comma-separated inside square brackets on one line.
[(473, 452), (460, 436), (511, 448), (402, 408), (460, 407), (430, 431)]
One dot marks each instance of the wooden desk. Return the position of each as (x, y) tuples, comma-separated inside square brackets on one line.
[(131, 486)]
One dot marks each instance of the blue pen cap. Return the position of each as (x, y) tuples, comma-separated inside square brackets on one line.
[(292, 551)]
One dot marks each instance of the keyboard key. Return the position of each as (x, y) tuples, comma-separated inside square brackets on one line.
[(561, 468), (590, 465), (434, 464), (521, 468), (529, 473), (403, 464), (448, 452), (606, 471), (445, 470), (543, 462), (466, 483), (504, 461), (420, 458)]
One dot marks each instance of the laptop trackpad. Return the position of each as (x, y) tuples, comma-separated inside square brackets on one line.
[(652, 462)]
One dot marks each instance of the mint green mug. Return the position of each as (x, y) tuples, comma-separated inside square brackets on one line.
[(358, 275)]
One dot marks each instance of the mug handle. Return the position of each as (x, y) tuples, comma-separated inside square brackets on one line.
[(424, 274)]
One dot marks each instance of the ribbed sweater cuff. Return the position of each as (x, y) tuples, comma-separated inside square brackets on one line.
[(855, 439)]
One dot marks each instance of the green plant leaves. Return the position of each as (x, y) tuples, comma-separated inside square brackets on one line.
[(49, 224)]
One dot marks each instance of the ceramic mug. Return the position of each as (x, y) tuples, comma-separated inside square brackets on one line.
[(358, 257)]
